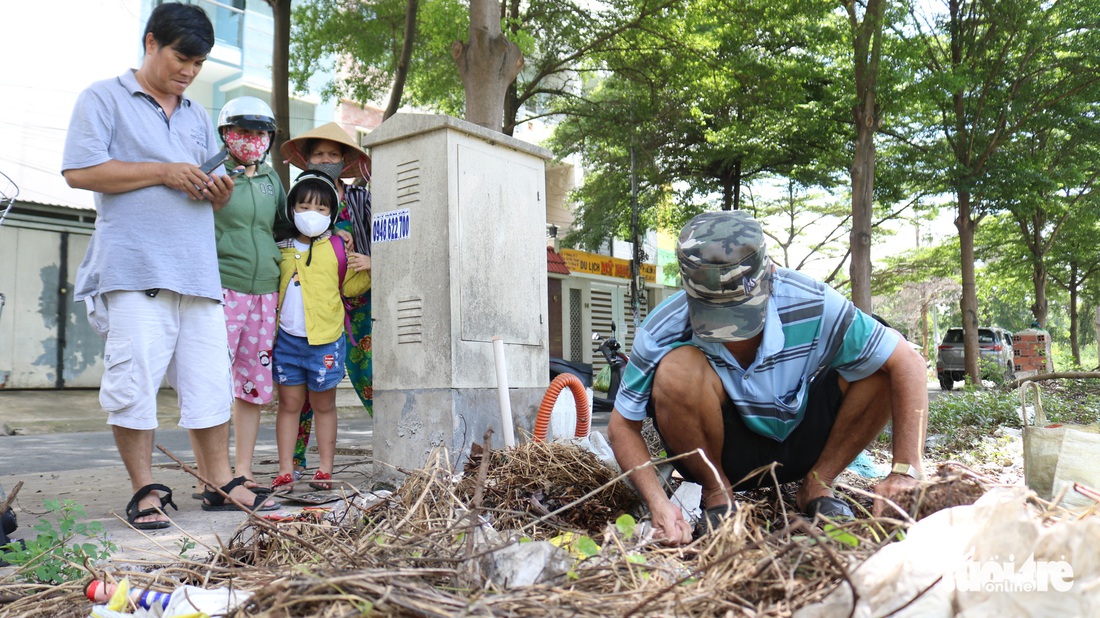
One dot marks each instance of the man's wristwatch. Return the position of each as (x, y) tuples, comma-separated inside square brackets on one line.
[(908, 470)]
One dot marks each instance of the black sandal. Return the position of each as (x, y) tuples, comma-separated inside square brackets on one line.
[(132, 512), (259, 490), (213, 501), (712, 519)]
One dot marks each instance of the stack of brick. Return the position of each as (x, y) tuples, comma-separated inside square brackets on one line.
[(1031, 353)]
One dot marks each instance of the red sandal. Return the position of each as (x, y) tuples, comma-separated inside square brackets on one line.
[(321, 476), (283, 482)]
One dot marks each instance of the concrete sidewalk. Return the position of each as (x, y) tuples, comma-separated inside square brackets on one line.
[(58, 444), (81, 464)]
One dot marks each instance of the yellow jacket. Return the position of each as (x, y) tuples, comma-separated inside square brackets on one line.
[(324, 308)]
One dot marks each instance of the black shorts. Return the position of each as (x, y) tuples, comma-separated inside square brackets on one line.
[(745, 450)]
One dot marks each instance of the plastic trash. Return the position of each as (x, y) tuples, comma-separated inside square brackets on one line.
[(118, 605), (996, 557), (101, 591), (597, 444), (525, 564), (563, 418), (187, 600), (689, 497), (563, 428), (866, 467)]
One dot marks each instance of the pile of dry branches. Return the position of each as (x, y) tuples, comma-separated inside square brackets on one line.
[(416, 552)]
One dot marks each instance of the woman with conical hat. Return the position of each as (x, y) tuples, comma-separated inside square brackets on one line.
[(329, 149)]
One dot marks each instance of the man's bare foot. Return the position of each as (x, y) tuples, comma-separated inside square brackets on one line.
[(151, 501), (145, 509), (811, 490), (251, 484), (247, 497)]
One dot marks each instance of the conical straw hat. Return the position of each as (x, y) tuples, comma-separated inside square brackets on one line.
[(356, 159)]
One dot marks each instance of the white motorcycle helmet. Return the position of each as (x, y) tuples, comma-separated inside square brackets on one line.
[(247, 113)]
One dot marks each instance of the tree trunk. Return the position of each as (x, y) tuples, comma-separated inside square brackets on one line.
[(511, 94), (867, 50), (968, 304), (1040, 307), (863, 181), (1073, 326), (924, 330), (1096, 329), (402, 71), (488, 63), (729, 201), (280, 85), (737, 185)]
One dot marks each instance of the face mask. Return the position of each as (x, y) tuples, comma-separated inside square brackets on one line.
[(247, 148), (332, 170), (311, 223)]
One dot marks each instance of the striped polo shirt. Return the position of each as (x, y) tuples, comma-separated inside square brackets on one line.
[(808, 328)]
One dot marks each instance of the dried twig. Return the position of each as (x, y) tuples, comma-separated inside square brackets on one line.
[(11, 498)]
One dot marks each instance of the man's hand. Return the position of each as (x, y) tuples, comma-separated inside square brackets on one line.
[(187, 178), (218, 190), (895, 487), (631, 452), (669, 526)]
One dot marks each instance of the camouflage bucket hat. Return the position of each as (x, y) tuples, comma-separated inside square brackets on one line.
[(726, 274)]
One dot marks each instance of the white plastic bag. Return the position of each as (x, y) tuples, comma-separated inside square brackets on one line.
[(563, 418), (187, 600), (996, 557)]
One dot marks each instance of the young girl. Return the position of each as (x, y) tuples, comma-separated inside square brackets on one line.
[(329, 149), (309, 350)]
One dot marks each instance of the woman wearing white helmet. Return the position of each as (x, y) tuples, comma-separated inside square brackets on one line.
[(249, 263)]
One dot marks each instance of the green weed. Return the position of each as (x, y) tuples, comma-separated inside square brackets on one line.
[(958, 422), (59, 552)]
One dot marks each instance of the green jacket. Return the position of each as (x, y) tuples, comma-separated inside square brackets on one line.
[(247, 256)]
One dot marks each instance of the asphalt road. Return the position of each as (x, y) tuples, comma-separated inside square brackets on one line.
[(65, 451), (73, 451)]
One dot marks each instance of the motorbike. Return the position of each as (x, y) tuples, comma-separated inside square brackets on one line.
[(611, 350)]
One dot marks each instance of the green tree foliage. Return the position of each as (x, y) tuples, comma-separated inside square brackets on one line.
[(993, 68), (992, 102), (363, 41), (728, 93), (558, 38), (1074, 269)]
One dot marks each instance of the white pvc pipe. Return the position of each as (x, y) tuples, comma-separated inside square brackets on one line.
[(502, 393)]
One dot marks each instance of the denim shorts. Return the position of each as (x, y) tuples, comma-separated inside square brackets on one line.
[(319, 367)]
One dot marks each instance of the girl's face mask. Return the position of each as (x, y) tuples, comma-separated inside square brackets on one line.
[(247, 147), (311, 223)]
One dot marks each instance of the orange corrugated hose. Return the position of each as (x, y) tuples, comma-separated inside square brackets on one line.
[(584, 419)]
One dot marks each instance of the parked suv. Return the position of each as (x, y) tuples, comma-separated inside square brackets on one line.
[(995, 360)]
